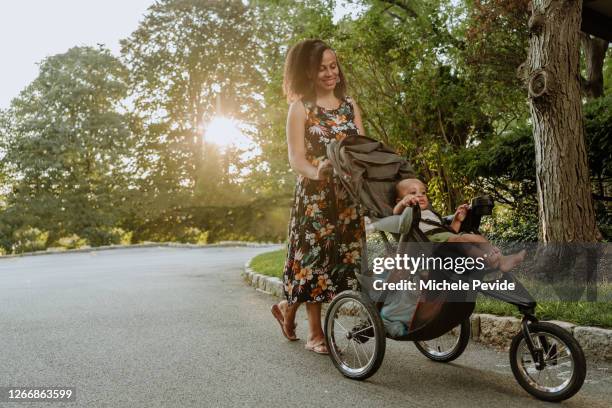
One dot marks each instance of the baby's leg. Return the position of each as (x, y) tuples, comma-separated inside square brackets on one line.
[(493, 255), (468, 238), (507, 262), (482, 249)]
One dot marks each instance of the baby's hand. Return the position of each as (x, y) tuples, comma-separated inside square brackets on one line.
[(461, 212), (409, 201)]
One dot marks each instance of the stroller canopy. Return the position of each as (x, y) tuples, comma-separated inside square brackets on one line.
[(369, 171)]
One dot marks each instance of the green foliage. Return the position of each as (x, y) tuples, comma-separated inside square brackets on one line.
[(598, 131), (104, 150), (580, 313), (29, 239), (189, 60), (67, 146), (194, 235), (508, 226), (402, 60), (70, 242), (282, 23), (607, 73), (502, 166), (97, 236), (496, 40), (263, 220)]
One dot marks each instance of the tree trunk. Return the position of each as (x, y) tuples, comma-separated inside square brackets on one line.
[(594, 54), (565, 204)]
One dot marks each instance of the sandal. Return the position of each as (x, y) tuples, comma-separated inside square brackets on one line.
[(319, 348), (278, 315)]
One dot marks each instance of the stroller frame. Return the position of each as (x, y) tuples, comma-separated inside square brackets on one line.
[(539, 346)]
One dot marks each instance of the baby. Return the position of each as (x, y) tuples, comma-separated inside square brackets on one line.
[(413, 191)]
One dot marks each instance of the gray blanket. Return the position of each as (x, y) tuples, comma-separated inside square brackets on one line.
[(369, 171)]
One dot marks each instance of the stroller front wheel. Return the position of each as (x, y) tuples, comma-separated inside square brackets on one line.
[(564, 368), (355, 335)]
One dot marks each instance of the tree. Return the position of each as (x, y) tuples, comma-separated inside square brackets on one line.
[(594, 55), (68, 146), (280, 24), (401, 59), (496, 41), (564, 193), (189, 60)]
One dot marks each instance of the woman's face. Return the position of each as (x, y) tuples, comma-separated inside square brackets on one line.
[(329, 74)]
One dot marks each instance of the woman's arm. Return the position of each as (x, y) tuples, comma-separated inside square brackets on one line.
[(358, 120), (296, 120)]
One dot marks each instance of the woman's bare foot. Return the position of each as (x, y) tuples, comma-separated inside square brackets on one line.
[(317, 345), (289, 325), (507, 262)]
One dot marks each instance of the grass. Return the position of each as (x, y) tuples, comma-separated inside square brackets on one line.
[(581, 313), (270, 263)]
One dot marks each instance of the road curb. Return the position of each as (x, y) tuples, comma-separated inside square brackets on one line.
[(492, 330), (59, 250)]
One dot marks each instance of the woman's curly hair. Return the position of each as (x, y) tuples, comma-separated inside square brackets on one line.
[(301, 70)]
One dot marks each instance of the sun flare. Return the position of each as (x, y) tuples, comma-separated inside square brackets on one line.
[(226, 132)]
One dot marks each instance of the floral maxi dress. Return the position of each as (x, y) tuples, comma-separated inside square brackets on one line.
[(326, 227)]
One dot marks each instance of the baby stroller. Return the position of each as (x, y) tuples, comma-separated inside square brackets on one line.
[(545, 359)]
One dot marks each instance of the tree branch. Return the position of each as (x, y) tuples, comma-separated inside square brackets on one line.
[(409, 10)]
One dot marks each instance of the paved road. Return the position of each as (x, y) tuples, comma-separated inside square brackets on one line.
[(176, 327)]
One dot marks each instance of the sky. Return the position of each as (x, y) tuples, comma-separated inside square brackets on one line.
[(34, 29)]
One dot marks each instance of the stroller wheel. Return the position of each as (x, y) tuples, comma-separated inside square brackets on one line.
[(449, 346), (564, 368), (355, 335)]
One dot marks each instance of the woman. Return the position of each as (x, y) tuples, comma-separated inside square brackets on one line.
[(326, 228)]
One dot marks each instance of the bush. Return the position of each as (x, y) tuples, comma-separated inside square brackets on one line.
[(70, 242), (194, 235), (98, 236), (598, 127), (29, 239), (125, 237), (508, 226)]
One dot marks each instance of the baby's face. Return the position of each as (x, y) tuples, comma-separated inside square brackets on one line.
[(413, 189)]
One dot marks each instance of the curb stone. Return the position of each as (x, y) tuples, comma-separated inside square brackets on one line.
[(60, 250), (492, 330), (596, 342), (267, 284), (498, 331), (475, 327)]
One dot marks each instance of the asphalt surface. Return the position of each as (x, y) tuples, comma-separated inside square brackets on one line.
[(176, 327)]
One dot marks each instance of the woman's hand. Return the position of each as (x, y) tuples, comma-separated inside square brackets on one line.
[(324, 170)]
